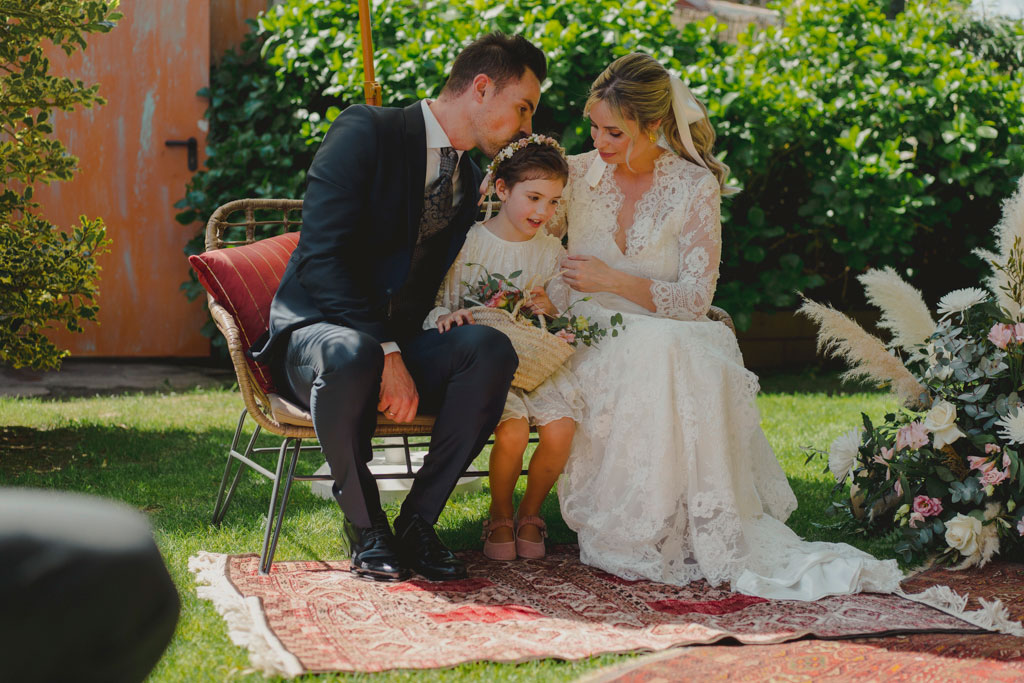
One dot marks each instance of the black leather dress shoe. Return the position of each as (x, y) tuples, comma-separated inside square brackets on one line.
[(422, 551), (373, 551)]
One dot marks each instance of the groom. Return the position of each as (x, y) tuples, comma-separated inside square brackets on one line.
[(389, 199)]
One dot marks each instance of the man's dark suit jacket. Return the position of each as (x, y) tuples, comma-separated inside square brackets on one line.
[(360, 219)]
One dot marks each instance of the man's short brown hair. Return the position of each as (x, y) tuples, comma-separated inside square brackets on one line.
[(499, 56)]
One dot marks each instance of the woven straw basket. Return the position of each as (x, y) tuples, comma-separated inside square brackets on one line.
[(540, 352)]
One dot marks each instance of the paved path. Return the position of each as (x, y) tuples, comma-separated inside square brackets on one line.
[(86, 377)]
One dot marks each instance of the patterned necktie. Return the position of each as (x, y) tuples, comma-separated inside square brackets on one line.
[(437, 202)]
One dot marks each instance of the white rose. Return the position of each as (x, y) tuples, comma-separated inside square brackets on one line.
[(842, 453), (941, 422), (963, 534)]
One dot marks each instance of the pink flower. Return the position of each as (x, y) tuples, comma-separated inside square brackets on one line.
[(898, 489), (928, 507), (496, 301), (566, 336), (1006, 462), (1020, 527), (915, 517), (913, 435), (1001, 334), (1018, 332), (979, 463), (887, 453), (991, 448), (993, 476)]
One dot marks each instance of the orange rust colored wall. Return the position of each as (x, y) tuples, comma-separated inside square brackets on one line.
[(149, 67), (227, 23)]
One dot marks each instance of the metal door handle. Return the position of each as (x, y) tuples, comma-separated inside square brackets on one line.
[(193, 150)]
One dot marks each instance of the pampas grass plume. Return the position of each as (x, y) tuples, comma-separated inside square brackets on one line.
[(904, 312), (841, 337), (1010, 227)]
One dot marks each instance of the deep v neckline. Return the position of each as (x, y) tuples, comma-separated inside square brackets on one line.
[(620, 203)]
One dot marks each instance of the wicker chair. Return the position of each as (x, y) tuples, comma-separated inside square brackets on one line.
[(243, 223)]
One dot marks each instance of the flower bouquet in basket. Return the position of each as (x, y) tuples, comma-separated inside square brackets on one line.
[(943, 474), (542, 344)]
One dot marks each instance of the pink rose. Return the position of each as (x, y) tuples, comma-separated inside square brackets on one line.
[(915, 517), (927, 506), (1018, 332), (991, 448), (1001, 334), (496, 301), (993, 476), (566, 336), (913, 435)]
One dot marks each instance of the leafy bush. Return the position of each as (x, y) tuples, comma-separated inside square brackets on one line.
[(859, 140), (47, 275)]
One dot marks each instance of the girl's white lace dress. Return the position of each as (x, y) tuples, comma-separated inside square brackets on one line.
[(670, 476), (538, 260)]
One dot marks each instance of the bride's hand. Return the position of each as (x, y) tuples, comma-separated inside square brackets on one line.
[(589, 274)]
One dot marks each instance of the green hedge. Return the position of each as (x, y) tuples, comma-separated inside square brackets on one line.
[(859, 141)]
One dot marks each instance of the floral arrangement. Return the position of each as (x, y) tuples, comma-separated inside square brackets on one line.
[(943, 474), (495, 290), (508, 150)]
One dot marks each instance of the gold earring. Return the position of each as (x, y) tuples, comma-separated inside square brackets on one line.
[(652, 136)]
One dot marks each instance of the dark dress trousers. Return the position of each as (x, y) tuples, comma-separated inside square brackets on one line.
[(338, 299)]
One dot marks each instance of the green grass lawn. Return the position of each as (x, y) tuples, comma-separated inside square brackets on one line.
[(164, 454)]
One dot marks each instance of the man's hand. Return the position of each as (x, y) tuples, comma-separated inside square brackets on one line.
[(398, 396), (455, 318), (541, 303)]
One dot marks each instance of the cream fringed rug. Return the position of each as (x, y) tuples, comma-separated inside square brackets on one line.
[(316, 616)]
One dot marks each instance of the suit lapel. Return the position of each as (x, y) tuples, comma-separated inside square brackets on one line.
[(416, 169)]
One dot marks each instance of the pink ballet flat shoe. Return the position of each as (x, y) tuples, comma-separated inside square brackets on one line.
[(531, 550), (498, 551)]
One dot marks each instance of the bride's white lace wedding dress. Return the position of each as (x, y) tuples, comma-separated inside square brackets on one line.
[(670, 476)]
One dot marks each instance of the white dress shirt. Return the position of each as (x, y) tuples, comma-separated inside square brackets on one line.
[(436, 139)]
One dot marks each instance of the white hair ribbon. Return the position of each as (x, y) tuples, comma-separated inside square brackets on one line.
[(687, 111)]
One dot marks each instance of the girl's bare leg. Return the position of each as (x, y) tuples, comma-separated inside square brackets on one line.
[(510, 440), (545, 467)]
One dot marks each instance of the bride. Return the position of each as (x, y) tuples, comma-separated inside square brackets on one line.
[(670, 477)]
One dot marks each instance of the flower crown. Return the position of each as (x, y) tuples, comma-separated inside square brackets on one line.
[(508, 150)]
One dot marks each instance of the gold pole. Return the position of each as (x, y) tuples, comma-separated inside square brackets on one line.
[(371, 88)]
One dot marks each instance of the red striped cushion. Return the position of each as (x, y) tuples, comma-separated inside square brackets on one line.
[(243, 280)]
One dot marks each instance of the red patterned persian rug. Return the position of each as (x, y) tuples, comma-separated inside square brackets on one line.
[(931, 657), (317, 616)]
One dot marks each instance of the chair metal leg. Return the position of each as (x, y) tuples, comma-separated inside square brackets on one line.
[(269, 556), (220, 507), (223, 501), (265, 560)]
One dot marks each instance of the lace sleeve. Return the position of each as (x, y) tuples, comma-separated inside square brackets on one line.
[(449, 296), (559, 223), (700, 250)]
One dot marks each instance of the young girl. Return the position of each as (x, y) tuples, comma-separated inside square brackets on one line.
[(528, 178)]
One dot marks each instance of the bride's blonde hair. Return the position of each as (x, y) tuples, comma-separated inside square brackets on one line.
[(637, 88)]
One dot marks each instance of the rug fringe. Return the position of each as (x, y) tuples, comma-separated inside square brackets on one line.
[(993, 616), (247, 626)]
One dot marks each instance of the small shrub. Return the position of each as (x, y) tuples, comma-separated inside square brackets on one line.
[(47, 275)]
